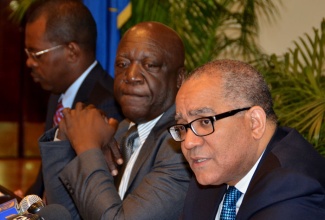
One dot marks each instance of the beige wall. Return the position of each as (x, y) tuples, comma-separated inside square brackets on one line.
[(297, 17)]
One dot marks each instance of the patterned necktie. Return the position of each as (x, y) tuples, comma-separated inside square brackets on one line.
[(127, 148), (229, 204), (58, 114)]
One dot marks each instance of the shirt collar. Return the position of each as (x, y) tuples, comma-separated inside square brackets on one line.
[(242, 185), (144, 129)]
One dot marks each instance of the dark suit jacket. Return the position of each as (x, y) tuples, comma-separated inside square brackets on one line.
[(288, 183), (96, 89), (157, 186)]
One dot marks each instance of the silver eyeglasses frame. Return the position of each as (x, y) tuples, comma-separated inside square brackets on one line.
[(36, 55)]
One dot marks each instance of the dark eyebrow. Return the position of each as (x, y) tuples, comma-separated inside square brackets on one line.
[(195, 112), (201, 111)]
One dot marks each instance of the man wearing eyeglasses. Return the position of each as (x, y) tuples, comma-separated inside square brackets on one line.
[(246, 167), (60, 41)]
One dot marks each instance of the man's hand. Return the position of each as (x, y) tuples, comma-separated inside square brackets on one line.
[(86, 128), (113, 156)]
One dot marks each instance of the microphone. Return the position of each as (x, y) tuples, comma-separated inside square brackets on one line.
[(36, 207), (26, 216), (28, 201), (32, 207), (50, 212), (27, 207)]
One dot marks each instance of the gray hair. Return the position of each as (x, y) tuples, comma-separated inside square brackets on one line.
[(241, 84)]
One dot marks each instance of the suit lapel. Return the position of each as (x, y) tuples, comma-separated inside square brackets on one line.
[(262, 180), (150, 144), (209, 203), (88, 85), (202, 202), (145, 151)]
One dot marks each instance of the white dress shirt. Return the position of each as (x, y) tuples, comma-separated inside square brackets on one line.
[(143, 131)]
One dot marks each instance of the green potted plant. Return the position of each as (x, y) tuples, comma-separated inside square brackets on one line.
[(297, 81), (210, 29)]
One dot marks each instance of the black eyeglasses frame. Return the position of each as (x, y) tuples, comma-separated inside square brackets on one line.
[(211, 118)]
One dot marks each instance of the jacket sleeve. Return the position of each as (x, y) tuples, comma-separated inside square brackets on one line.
[(55, 155), (159, 195)]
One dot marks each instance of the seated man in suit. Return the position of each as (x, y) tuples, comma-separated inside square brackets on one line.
[(245, 166), (60, 40), (149, 69)]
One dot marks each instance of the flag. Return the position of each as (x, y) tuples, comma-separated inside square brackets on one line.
[(110, 15)]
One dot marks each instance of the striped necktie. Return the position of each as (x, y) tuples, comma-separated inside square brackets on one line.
[(127, 143), (58, 114)]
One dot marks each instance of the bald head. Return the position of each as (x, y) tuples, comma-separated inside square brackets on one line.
[(161, 36)]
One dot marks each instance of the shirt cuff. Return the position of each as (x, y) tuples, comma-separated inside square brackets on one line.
[(56, 135)]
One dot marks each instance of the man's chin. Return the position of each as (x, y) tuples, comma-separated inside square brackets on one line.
[(134, 103), (47, 88), (205, 179), (134, 114), (36, 79)]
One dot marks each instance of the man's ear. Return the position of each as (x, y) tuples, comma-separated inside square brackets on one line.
[(180, 76), (258, 121), (74, 51)]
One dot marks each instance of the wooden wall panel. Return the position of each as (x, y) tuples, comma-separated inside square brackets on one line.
[(23, 103)]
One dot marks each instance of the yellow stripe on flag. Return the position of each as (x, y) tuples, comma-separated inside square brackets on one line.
[(124, 15)]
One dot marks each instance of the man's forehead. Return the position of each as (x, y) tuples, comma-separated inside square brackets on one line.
[(194, 112), (132, 43)]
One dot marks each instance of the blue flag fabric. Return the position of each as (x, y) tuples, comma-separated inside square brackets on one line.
[(109, 15)]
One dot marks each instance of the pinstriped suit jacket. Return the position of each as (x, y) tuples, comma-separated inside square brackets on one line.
[(157, 186)]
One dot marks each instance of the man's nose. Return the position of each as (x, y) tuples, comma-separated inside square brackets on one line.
[(30, 62), (134, 74), (191, 140)]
